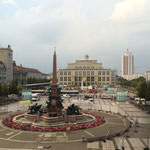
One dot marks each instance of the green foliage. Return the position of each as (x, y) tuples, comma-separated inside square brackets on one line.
[(141, 89), (0, 89), (4, 89), (148, 91), (123, 82), (34, 80), (13, 88), (19, 88)]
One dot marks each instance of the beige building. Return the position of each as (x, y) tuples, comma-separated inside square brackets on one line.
[(87, 72), (2, 72), (22, 74), (6, 56)]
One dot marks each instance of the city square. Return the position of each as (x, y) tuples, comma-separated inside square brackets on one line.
[(74, 75)]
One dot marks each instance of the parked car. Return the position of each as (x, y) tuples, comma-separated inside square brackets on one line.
[(91, 100), (106, 97), (35, 97)]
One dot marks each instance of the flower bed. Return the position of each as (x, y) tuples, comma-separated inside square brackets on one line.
[(11, 124)]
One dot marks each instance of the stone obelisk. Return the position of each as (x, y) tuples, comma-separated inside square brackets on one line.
[(54, 98)]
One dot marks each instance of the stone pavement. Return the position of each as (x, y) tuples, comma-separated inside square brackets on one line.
[(135, 139), (116, 143)]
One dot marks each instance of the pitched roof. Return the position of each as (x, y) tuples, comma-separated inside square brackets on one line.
[(20, 68)]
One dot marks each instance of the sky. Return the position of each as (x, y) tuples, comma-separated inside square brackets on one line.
[(102, 29)]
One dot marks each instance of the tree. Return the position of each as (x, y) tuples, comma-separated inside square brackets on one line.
[(13, 88), (4, 89), (0, 89), (148, 91), (141, 89), (19, 87)]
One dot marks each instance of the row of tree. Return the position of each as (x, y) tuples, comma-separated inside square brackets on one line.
[(140, 85), (34, 80), (12, 88)]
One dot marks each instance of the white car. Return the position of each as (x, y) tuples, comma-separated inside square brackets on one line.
[(66, 96), (91, 100), (106, 97)]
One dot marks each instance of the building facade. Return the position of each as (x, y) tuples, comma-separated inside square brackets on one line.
[(145, 75), (2, 72), (86, 72), (127, 63), (6, 56), (22, 74)]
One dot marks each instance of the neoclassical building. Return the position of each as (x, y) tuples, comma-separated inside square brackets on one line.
[(86, 71)]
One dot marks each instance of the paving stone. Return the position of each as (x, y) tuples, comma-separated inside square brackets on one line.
[(93, 145)]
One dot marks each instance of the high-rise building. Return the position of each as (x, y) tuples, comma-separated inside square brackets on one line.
[(127, 63), (6, 56)]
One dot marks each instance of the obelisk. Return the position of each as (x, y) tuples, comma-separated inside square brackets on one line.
[(54, 98), (54, 81)]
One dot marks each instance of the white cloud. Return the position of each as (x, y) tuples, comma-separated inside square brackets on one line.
[(127, 9), (12, 2)]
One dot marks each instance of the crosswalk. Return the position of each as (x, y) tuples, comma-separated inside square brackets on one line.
[(120, 143)]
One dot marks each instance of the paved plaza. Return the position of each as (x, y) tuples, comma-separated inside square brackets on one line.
[(136, 139)]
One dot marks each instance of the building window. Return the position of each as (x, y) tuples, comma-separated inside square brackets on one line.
[(108, 72), (61, 78), (103, 72), (84, 73), (92, 67), (108, 79), (76, 67), (69, 78), (112, 78), (99, 73), (88, 78), (99, 78), (88, 73), (80, 67), (80, 73), (65, 78), (76, 73), (76, 78), (92, 73), (112, 73), (84, 67), (69, 73), (80, 78), (65, 73), (92, 78), (88, 67), (61, 72), (103, 78)]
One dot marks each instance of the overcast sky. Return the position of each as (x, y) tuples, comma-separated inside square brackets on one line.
[(103, 29)]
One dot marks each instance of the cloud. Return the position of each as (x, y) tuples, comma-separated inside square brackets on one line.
[(70, 26), (12, 2), (127, 9)]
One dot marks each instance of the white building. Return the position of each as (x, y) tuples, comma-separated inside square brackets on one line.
[(127, 63), (135, 76), (86, 71)]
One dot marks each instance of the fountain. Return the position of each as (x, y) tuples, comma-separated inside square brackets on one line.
[(53, 117)]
